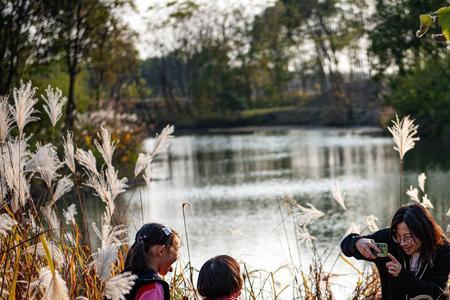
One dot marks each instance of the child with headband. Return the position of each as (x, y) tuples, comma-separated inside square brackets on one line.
[(154, 251)]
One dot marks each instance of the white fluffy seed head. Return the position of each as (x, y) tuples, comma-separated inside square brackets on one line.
[(69, 214), (103, 261), (5, 119), (338, 195), (141, 163), (403, 133), (52, 285), (69, 152), (117, 287), (370, 222), (162, 140), (51, 217), (109, 234), (6, 224), (306, 216), (63, 186), (87, 160), (14, 159), (116, 185), (304, 237), (106, 147), (413, 194), (56, 254), (426, 202), (23, 109), (54, 104), (45, 162), (421, 180)]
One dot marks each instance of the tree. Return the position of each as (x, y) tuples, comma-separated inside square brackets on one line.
[(78, 24), (393, 41), (23, 38), (424, 93), (113, 60)]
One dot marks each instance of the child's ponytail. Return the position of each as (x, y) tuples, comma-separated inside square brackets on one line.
[(137, 263)]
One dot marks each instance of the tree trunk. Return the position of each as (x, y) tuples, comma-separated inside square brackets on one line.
[(71, 106)]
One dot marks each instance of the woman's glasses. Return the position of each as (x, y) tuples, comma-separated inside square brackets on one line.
[(407, 239)]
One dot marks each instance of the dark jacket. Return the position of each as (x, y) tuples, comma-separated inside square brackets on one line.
[(429, 281), (144, 279)]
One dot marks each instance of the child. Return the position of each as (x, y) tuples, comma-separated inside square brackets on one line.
[(220, 279), (154, 251)]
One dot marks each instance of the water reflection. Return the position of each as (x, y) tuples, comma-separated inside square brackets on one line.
[(233, 182)]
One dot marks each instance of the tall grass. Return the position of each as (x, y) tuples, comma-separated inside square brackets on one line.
[(45, 253)]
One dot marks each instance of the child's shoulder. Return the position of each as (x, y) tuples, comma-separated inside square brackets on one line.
[(151, 291)]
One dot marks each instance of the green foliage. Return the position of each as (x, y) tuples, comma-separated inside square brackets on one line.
[(393, 42), (81, 46), (425, 94), (444, 20), (443, 17)]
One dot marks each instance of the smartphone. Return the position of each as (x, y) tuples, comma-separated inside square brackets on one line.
[(383, 250)]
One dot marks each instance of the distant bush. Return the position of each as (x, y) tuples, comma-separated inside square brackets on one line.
[(425, 93)]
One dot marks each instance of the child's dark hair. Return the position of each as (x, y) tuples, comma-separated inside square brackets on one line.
[(219, 277), (423, 227), (149, 235)]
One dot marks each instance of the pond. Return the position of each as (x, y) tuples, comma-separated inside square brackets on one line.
[(235, 182)]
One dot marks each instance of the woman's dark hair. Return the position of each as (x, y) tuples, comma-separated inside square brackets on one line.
[(219, 277), (149, 235), (422, 226)]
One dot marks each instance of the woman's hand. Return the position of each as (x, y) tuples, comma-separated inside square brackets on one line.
[(364, 247), (394, 267)]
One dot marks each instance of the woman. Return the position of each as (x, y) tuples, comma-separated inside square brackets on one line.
[(418, 262)]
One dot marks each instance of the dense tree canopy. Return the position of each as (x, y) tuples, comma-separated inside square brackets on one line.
[(222, 61)]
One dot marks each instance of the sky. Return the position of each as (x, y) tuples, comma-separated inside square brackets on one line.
[(140, 19)]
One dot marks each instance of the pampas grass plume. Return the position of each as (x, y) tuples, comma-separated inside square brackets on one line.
[(5, 119), (307, 216), (45, 162), (117, 287), (6, 223), (103, 260), (106, 147), (370, 221), (338, 195), (52, 285), (69, 152), (69, 214), (421, 179), (54, 103), (23, 108), (403, 133), (63, 186), (413, 193)]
